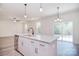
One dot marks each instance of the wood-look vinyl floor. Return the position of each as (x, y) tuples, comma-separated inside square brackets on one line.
[(7, 47)]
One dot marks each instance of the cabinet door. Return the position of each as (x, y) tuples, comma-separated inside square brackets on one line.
[(33, 47), (26, 47), (20, 45), (29, 47), (45, 49)]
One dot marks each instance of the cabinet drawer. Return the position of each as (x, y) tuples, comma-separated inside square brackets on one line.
[(29, 42), (42, 44)]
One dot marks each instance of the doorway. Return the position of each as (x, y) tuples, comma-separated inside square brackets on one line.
[(64, 31)]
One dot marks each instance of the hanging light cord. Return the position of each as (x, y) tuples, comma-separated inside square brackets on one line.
[(40, 5), (25, 8), (41, 9), (58, 15)]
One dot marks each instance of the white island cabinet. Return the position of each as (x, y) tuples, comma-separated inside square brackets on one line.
[(30, 46)]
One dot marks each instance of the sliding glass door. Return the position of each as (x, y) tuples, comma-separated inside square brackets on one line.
[(64, 31)]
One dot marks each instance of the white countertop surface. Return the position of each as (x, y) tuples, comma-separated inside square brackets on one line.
[(43, 38)]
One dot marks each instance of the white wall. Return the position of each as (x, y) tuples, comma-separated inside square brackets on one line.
[(47, 26), (9, 28)]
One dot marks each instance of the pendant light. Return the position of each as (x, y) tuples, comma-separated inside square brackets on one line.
[(41, 9), (25, 16), (58, 15)]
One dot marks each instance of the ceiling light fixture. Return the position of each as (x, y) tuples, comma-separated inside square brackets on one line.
[(58, 15), (25, 16), (41, 9)]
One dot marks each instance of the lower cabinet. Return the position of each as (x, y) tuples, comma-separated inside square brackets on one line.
[(47, 49), (29, 47), (21, 45), (44, 49)]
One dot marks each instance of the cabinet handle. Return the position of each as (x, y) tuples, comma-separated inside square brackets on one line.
[(42, 45), (36, 50)]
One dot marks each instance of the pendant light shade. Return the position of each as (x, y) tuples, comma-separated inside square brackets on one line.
[(58, 15), (41, 9)]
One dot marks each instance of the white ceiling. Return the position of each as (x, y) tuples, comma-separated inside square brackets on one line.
[(33, 9)]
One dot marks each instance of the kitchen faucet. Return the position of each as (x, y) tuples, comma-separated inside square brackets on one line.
[(31, 30)]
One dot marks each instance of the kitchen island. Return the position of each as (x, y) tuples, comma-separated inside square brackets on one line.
[(37, 45)]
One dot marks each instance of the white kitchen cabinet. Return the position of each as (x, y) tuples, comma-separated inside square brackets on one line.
[(46, 49), (27, 47), (31, 47), (21, 45)]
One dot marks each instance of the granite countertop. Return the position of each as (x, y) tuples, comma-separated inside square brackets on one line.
[(43, 38)]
